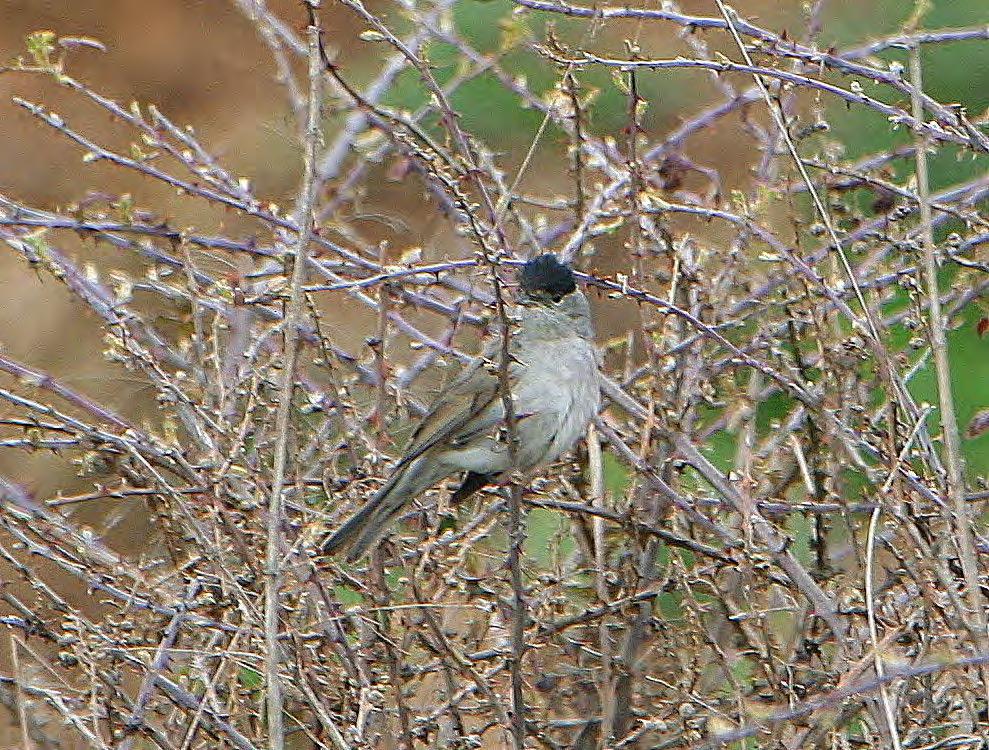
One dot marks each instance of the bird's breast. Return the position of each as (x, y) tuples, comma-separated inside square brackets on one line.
[(557, 393)]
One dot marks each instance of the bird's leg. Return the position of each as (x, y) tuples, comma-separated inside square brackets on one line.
[(473, 481)]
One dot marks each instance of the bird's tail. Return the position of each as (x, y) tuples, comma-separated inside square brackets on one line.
[(373, 518)]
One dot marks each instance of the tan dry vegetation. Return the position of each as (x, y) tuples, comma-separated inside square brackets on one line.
[(766, 445)]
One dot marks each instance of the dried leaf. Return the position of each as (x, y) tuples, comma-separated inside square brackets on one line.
[(979, 424)]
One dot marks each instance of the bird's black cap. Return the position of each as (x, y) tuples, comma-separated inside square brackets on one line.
[(545, 273)]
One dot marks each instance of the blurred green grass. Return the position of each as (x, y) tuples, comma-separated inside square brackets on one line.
[(956, 72)]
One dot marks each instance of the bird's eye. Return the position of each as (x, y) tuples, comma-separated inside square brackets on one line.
[(557, 298)]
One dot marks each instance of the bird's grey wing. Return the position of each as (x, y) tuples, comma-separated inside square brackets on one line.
[(461, 409)]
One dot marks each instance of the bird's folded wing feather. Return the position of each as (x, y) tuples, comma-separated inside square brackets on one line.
[(459, 411)]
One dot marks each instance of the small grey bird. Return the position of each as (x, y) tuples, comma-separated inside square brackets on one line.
[(555, 388)]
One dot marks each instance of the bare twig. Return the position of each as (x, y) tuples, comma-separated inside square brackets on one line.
[(293, 319)]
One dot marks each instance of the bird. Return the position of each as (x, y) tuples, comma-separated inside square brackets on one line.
[(555, 383)]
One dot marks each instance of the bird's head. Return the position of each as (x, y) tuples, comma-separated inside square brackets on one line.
[(551, 305)]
